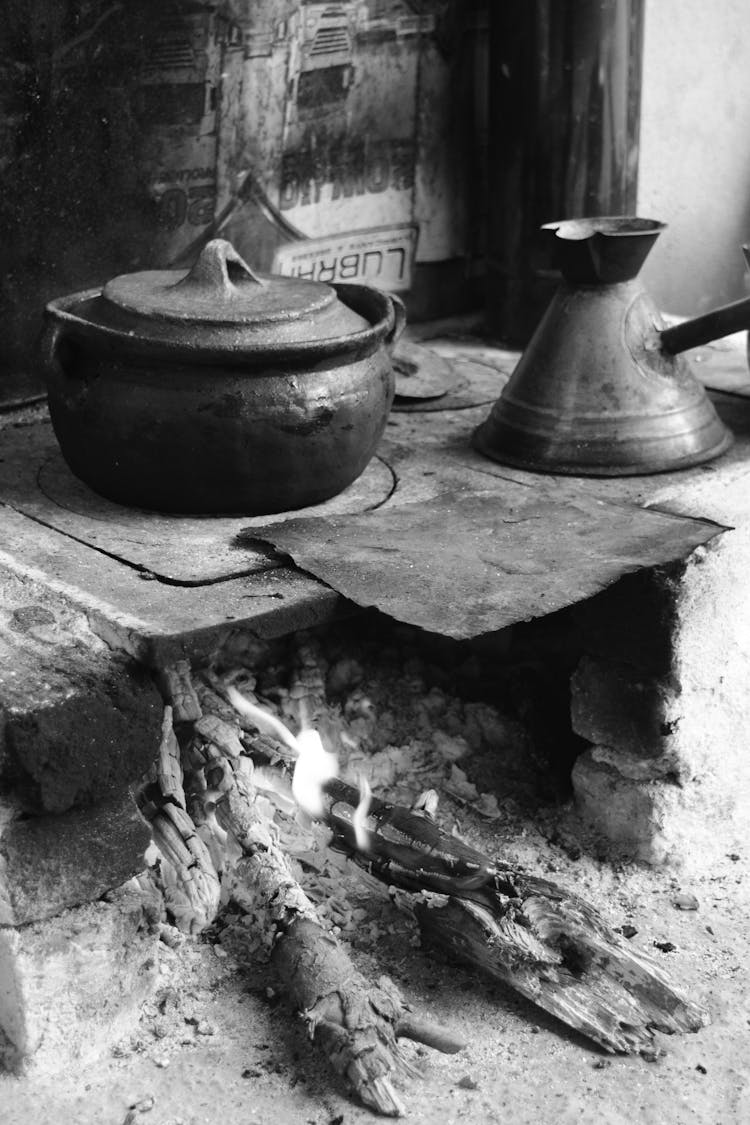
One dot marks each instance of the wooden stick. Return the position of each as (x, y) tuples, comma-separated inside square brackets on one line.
[(356, 1023), (542, 940), (545, 942)]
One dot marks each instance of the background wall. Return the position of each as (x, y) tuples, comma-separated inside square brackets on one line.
[(695, 150)]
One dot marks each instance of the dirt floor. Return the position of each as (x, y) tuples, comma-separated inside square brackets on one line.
[(219, 1045)]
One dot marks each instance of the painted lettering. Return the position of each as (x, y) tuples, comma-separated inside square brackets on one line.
[(344, 260), (378, 168), (327, 270), (179, 175), (378, 255), (349, 266), (171, 209), (399, 251), (350, 167), (201, 202), (306, 275), (176, 206)]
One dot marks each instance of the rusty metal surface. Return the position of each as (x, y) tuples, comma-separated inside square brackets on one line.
[(475, 560)]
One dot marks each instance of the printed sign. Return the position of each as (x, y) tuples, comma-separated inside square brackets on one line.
[(382, 256)]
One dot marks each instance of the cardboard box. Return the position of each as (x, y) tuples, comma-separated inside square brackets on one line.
[(320, 132), (327, 140)]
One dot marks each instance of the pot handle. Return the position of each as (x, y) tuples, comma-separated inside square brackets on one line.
[(399, 320), (59, 381), (47, 345)]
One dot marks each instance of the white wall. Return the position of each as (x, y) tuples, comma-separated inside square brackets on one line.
[(695, 150)]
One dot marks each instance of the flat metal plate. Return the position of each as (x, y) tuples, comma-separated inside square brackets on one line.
[(189, 550), (459, 374), (421, 373), (474, 560)]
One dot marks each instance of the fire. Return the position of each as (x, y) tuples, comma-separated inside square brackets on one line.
[(263, 720), (313, 768), (359, 817), (313, 765)]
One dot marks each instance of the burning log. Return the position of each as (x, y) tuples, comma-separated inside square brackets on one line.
[(544, 941), (215, 834), (224, 834), (356, 1023)]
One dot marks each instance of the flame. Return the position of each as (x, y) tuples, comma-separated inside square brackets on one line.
[(263, 720), (313, 768), (359, 817), (314, 765)]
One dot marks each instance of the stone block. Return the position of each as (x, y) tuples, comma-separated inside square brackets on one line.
[(77, 722), (652, 819), (49, 863), (662, 690), (614, 704), (72, 986)]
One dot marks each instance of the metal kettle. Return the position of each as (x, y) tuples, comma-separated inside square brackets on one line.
[(601, 389)]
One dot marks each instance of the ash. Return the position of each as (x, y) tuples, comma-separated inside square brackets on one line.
[(407, 712)]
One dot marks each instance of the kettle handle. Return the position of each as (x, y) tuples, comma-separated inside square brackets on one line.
[(399, 321), (703, 329)]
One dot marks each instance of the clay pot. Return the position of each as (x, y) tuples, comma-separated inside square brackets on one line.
[(220, 389)]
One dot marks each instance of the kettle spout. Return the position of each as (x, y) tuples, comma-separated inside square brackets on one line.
[(712, 326)]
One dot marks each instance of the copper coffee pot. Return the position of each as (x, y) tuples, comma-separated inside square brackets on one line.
[(601, 389)]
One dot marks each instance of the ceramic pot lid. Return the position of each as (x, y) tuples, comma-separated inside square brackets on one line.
[(221, 290)]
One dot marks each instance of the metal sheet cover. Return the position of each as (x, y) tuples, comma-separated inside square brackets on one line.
[(499, 557)]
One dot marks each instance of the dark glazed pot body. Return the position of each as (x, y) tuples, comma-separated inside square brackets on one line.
[(208, 423)]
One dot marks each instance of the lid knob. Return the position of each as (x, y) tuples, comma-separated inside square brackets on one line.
[(221, 289), (219, 269)]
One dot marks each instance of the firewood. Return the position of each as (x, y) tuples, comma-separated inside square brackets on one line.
[(168, 765), (357, 1024), (544, 941), (219, 732), (218, 831), (190, 882), (178, 688), (614, 995), (547, 943)]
